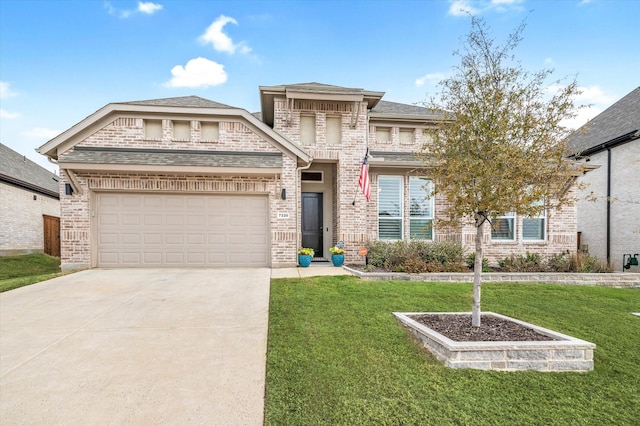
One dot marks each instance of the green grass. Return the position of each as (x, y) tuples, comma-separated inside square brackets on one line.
[(336, 356), (18, 271)]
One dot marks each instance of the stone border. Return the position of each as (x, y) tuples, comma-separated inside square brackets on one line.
[(564, 353), (616, 279)]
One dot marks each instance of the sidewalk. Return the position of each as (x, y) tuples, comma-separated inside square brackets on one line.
[(316, 269)]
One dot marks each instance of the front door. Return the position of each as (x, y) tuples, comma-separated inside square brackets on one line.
[(312, 221)]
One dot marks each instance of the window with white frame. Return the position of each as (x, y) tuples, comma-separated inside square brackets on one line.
[(153, 129), (406, 136), (383, 134), (390, 207), (181, 130), (334, 130), (504, 227), (209, 131), (533, 227), (420, 208), (308, 129)]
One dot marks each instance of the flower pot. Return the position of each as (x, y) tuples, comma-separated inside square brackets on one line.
[(304, 260), (337, 259)]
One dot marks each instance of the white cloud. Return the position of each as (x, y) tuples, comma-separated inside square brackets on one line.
[(593, 99), (461, 8), (5, 90), (595, 95), (9, 115), (477, 7), (148, 7), (431, 77), (219, 40), (549, 61), (198, 72), (41, 133)]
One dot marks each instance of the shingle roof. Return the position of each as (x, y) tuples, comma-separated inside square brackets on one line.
[(172, 157), (386, 107), (183, 101), (19, 170), (619, 119)]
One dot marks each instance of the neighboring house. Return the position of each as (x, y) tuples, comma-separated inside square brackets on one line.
[(29, 206), (609, 207), (191, 182)]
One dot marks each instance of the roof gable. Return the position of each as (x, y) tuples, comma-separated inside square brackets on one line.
[(619, 120), (191, 106), (19, 170)]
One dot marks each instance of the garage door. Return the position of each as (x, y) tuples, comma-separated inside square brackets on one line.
[(172, 230)]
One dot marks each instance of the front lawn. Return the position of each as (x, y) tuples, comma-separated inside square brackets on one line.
[(21, 270), (336, 356)]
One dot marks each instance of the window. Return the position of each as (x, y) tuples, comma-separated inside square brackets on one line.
[(181, 130), (504, 227), (406, 136), (312, 177), (153, 129), (533, 227), (334, 130), (420, 209), (308, 129), (383, 134), (390, 209), (209, 132)]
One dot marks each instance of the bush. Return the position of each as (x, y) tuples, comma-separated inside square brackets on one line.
[(416, 256), (470, 261), (576, 263), (531, 262)]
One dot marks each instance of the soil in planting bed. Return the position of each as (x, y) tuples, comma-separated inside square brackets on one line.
[(458, 328)]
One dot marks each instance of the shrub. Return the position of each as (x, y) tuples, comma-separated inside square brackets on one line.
[(416, 256), (470, 261), (531, 262)]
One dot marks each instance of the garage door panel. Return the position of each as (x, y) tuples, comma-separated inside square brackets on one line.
[(131, 239), (109, 219), (173, 258), (152, 219), (130, 258), (138, 230)]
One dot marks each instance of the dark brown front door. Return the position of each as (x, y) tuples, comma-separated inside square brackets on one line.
[(51, 235), (312, 221)]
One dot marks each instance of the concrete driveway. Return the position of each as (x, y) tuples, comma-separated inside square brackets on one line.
[(116, 347)]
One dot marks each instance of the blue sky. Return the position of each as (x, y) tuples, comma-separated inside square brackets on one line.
[(60, 61)]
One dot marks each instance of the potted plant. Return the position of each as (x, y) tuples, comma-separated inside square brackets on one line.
[(305, 254), (337, 255)]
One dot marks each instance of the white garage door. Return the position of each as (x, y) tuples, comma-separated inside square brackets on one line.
[(172, 230)]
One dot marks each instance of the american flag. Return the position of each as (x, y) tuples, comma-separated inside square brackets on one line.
[(363, 181)]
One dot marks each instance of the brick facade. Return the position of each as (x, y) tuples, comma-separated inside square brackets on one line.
[(21, 222), (347, 215)]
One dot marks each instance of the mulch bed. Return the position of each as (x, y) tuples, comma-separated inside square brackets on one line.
[(458, 328)]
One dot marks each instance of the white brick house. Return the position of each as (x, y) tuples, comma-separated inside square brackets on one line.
[(608, 219), (29, 206), (191, 182)]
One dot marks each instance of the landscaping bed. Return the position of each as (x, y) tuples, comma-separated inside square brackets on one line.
[(499, 343)]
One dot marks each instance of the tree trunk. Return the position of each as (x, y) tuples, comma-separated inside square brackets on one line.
[(477, 272)]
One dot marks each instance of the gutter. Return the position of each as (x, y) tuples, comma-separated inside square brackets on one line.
[(29, 186), (627, 137)]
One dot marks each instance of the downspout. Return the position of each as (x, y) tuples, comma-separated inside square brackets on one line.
[(608, 206), (298, 194)]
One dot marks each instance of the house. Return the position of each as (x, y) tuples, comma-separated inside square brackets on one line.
[(609, 206), (191, 182), (29, 206)]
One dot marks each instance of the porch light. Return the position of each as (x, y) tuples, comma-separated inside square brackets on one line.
[(68, 190), (283, 194)]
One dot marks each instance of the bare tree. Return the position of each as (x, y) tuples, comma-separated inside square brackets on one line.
[(499, 147)]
